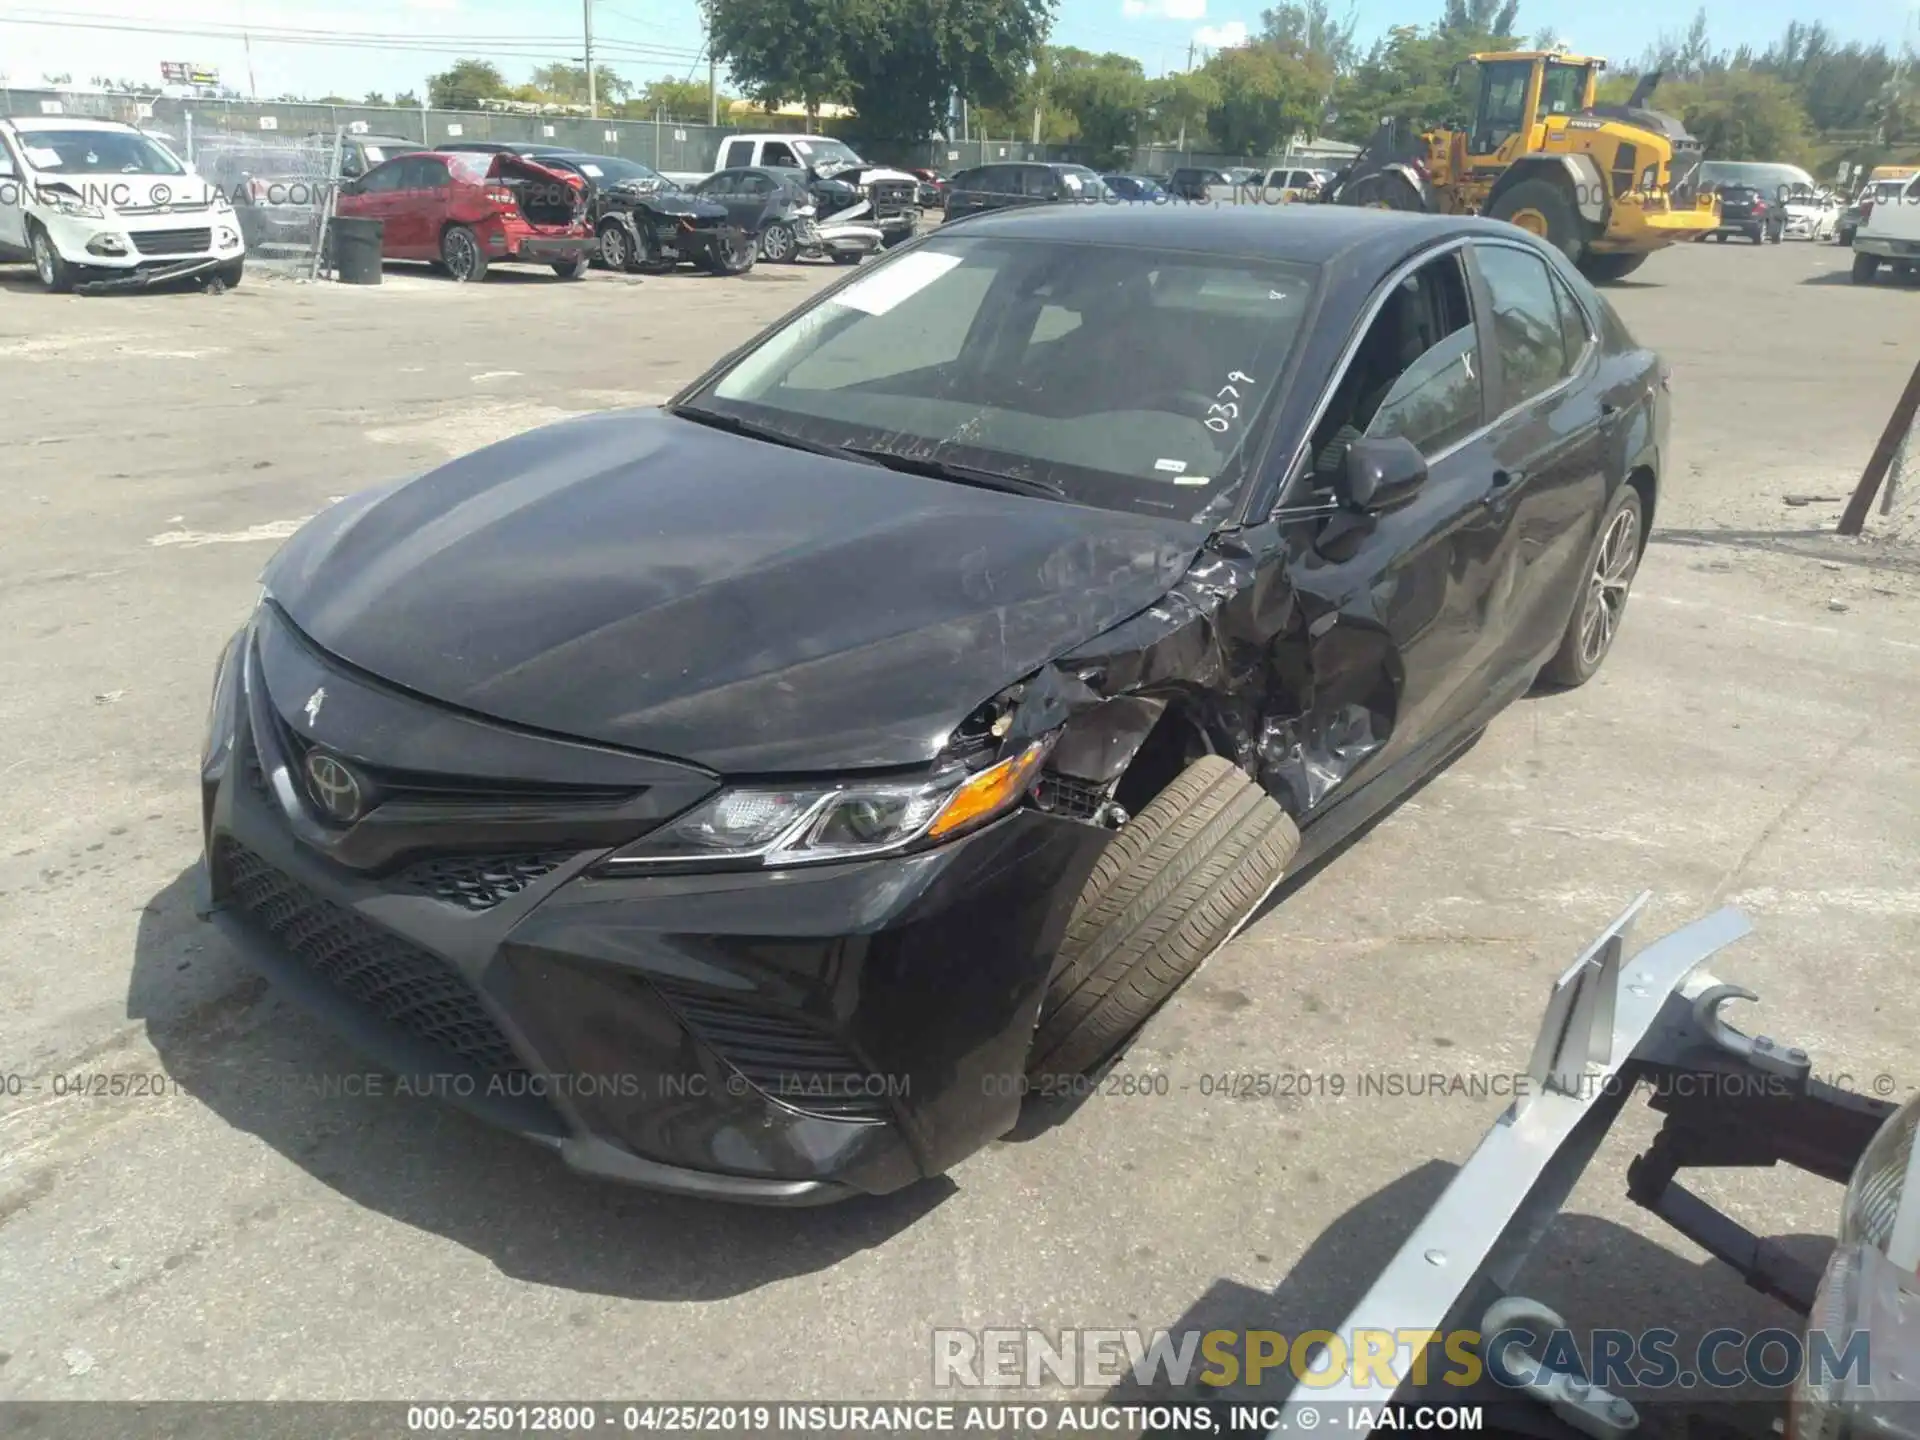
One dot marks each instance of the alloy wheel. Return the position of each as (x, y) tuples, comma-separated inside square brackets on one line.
[(1607, 591), (460, 254), (777, 243), (613, 247), (43, 257)]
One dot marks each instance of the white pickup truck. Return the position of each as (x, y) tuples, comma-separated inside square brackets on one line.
[(886, 198), (1889, 232)]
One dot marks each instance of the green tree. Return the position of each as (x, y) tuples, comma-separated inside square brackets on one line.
[(902, 59), (374, 97), (406, 97), (1265, 96), (1107, 97), (1742, 115), (464, 84), (1480, 17), (682, 99), (1408, 75), (1178, 105), (1308, 29), (567, 84), (782, 50)]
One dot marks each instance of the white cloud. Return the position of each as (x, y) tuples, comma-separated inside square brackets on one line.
[(1222, 37), (1167, 9)]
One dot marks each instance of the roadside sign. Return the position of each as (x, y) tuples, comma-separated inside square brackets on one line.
[(547, 130), (454, 129), (269, 122), (679, 135), (358, 127), (180, 72)]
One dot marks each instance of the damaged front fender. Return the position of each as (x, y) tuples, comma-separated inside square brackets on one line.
[(1296, 688)]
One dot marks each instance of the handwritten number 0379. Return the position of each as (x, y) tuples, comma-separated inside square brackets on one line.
[(1220, 417)]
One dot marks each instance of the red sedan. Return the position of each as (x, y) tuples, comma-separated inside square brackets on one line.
[(467, 212)]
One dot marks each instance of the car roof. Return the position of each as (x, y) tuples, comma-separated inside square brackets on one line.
[(27, 123), (1309, 234)]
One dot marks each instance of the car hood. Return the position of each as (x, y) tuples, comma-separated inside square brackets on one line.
[(641, 580), (665, 199)]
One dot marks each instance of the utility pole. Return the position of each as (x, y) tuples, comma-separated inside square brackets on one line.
[(713, 92), (593, 92)]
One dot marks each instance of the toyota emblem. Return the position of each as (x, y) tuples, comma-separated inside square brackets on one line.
[(335, 788)]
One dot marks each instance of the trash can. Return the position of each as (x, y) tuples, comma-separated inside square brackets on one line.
[(355, 244)]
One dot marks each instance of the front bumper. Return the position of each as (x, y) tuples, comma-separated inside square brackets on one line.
[(1887, 247), (774, 1037), (117, 242)]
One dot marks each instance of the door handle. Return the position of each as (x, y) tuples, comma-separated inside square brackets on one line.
[(1503, 484), (1609, 412)]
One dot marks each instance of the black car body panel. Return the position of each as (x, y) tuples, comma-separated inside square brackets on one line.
[(665, 224), (614, 611), (543, 652), (1745, 210)]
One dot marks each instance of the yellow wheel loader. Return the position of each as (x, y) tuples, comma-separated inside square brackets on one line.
[(1607, 184)]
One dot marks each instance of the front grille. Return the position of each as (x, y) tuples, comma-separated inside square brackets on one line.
[(395, 979), (178, 207), (1073, 798), (172, 242), (480, 882), (781, 1055), (891, 196)]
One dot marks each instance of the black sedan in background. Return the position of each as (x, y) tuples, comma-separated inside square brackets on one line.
[(754, 797), (643, 221), (1135, 187), (1747, 210), (1026, 182)]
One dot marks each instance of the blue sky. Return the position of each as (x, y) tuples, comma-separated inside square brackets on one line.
[(353, 46)]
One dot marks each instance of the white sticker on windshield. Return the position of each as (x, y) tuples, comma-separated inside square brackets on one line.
[(594, 170), (1193, 480), (1172, 467), (886, 287), (1071, 181), (374, 153), (42, 158)]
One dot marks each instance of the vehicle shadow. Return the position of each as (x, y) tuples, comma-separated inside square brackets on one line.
[(262, 1066), (1885, 280), (1595, 1273)]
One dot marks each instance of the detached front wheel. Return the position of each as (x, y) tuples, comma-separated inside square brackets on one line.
[(1175, 883)]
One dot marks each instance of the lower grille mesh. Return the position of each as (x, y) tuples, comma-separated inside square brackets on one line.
[(780, 1055), (480, 882), (395, 979)]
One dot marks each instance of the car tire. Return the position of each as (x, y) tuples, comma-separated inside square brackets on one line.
[(574, 269), (1865, 268), (1174, 884), (1387, 190), (615, 246), (1757, 235), (777, 243), (1901, 269), (847, 257), (231, 274), (736, 258), (56, 275), (1602, 601), (461, 253), (1605, 269), (1563, 227)]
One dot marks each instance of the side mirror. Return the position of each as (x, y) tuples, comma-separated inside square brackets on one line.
[(1382, 475)]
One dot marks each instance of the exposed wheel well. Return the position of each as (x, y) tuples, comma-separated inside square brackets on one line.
[(1175, 742), (1642, 480)]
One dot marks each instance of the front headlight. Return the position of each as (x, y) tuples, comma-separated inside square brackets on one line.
[(220, 708), (803, 825), (1873, 1193), (77, 209)]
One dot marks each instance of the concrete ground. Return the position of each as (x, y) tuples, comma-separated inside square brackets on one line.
[(1754, 738)]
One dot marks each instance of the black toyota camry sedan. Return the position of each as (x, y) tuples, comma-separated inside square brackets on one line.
[(755, 796)]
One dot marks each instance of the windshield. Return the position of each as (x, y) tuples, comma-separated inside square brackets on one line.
[(613, 170), (826, 156), (997, 354), (96, 152), (1562, 88)]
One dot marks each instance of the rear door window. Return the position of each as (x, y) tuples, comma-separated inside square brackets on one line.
[(1525, 325)]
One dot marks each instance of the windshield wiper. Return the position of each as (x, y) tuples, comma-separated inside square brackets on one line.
[(958, 474), (752, 428)]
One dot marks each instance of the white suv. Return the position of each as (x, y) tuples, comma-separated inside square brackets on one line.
[(79, 196), (1889, 233)]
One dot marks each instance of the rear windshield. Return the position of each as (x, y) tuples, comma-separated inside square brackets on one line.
[(998, 354)]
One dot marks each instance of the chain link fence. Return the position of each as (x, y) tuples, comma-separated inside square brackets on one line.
[(667, 144)]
